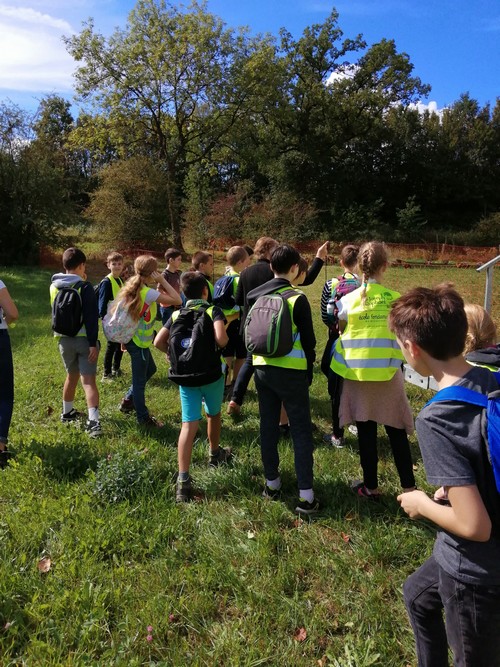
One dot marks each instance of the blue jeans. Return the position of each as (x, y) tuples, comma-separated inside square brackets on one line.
[(243, 380), (290, 387), (143, 368), (471, 623), (6, 384)]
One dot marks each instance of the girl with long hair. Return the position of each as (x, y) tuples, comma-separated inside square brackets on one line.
[(146, 288), (368, 357)]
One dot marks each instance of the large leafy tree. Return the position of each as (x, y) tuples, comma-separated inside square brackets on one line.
[(169, 86)]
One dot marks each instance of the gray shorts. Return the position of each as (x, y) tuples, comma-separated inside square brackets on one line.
[(75, 352)]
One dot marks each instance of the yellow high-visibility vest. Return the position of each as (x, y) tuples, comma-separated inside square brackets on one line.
[(366, 350), (144, 334)]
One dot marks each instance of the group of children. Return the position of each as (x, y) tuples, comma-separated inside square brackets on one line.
[(374, 330)]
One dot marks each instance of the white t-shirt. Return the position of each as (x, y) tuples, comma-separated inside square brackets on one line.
[(3, 323)]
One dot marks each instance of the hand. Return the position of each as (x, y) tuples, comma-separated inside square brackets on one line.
[(157, 277), (411, 503), (93, 354), (322, 251)]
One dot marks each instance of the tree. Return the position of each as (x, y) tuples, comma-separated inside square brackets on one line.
[(172, 85)]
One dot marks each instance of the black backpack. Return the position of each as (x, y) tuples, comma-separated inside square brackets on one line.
[(67, 311), (268, 326), (224, 293), (195, 358)]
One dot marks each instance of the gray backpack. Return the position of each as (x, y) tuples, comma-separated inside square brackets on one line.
[(268, 326)]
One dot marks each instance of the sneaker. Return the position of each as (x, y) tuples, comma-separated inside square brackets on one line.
[(5, 455), (93, 428), (183, 491), (307, 508), (353, 429), (333, 441), (107, 376), (233, 408), (152, 422), (71, 416), (362, 492), (220, 456), (127, 405), (271, 494), (117, 372)]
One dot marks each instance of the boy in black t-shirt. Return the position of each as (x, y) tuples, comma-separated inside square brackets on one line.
[(462, 577)]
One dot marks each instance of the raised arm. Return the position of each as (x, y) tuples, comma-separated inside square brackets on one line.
[(168, 296)]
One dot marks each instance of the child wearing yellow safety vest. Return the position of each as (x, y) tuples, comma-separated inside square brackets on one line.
[(141, 296), (369, 359), (109, 287)]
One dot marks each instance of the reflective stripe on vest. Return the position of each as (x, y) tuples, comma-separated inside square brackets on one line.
[(53, 291), (296, 358), (144, 335), (115, 285), (236, 279), (367, 350)]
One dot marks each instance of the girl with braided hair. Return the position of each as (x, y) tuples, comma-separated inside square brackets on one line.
[(368, 357)]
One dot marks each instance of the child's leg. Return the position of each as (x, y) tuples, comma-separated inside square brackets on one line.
[(425, 610), (237, 364), (338, 431), (108, 357), (117, 357), (402, 456), (269, 408), (91, 391), (6, 387), (368, 456), (185, 445), (143, 367), (213, 431), (229, 375), (70, 385)]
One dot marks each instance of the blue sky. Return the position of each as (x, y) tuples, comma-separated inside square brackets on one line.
[(453, 44)]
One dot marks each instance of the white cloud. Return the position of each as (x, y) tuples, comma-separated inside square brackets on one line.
[(33, 56), (431, 107)]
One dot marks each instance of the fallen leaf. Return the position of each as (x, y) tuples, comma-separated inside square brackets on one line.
[(172, 618), (322, 661), (300, 635), (251, 535), (44, 564), (50, 410), (346, 538)]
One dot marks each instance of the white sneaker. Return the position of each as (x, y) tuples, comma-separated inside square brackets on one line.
[(353, 429), (93, 428)]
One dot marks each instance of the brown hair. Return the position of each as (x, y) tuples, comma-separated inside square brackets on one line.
[(114, 256), (371, 258), (200, 257), (130, 293), (72, 258), (433, 318), (172, 253), (236, 254), (192, 284), (264, 247), (482, 331)]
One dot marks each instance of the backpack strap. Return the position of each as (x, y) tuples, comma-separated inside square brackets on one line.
[(463, 395)]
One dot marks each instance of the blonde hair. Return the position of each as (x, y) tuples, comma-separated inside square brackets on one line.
[(482, 331), (130, 293), (372, 257)]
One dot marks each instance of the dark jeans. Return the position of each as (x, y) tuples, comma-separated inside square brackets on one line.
[(6, 384), (367, 439), (166, 313), (243, 380), (290, 387), (112, 357), (335, 383), (143, 368), (471, 623)]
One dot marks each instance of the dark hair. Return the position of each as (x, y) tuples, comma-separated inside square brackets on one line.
[(172, 253), (192, 284), (349, 255), (200, 257), (248, 248), (283, 258), (433, 318), (303, 265), (73, 257)]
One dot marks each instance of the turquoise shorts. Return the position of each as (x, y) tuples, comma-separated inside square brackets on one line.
[(193, 397)]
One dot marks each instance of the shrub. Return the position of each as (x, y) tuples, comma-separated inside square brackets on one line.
[(121, 476)]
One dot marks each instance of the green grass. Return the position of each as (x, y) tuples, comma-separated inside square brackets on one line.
[(227, 580)]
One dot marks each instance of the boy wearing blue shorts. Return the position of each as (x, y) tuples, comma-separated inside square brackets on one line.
[(195, 288)]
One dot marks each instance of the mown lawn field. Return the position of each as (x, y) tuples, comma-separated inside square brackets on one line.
[(232, 579)]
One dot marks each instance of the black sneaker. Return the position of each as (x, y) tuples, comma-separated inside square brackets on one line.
[(220, 456), (107, 376), (93, 428), (127, 405), (307, 508), (71, 416), (183, 491), (117, 373), (271, 494), (5, 455), (152, 422)]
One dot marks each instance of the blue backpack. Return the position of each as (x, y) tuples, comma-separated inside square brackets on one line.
[(224, 293), (491, 418)]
